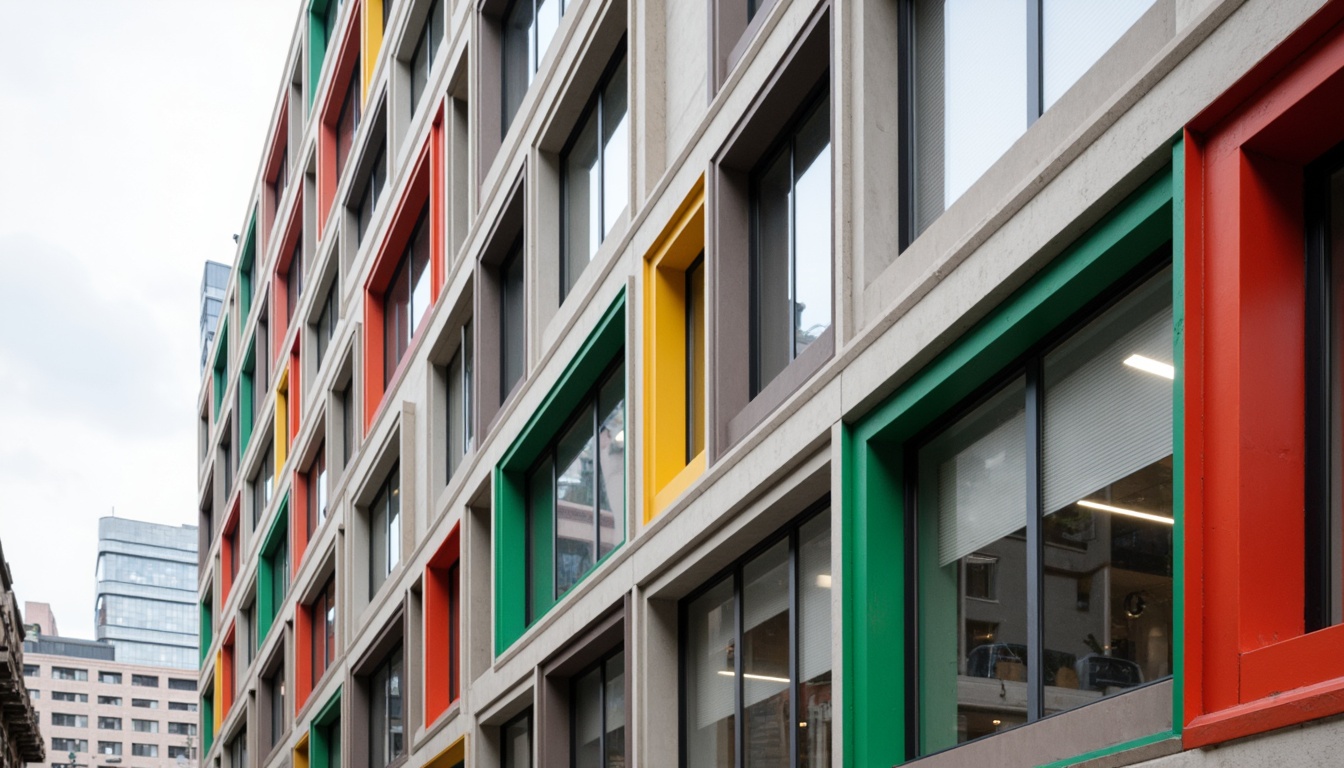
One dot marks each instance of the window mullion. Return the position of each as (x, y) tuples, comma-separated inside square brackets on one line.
[(1035, 61), (795, 671), (1035, 546), (597, 476), (793, 250), (601, 166)]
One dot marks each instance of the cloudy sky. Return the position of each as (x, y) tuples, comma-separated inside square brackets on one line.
[(129, 144)]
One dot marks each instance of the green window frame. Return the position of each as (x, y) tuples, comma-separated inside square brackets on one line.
[(319, 40), (246, 264), (524, 595), (324, 735), (221, 365), (876, 607), (273, 571)]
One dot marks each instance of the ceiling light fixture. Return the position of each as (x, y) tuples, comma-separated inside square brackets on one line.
[(1126, 512), (1149, 365)]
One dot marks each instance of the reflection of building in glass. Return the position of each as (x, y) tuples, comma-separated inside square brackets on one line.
[(213, 283), (146, 593)]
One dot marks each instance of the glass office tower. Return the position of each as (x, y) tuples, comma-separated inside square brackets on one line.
[(146, 592)]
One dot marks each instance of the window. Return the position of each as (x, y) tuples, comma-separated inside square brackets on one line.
[(1097, 515), (182, 706), (181, 684), (373, 189), (345, 400), (69, 673), (324, 329), (279, 183), (148, 681), (385, 521), (696, 359), (145, 703), (512, 320), (238, 747), (110, 701), (182, 729), (1325, 406), (263, 359), (317, 490), (598, 707), (515, 738), (67, 696), (426, 46), (442, 622), (145, 750), (576, 494), (386, 716), (294, 281), (791, 246), (70, 721), (145, 726), (457, 404), (347, 121), (110, 723), (31, 670), (176, 752), (69, 745), (109, 747), (324, 629), (758, 654), (982, 74), (595, 173), (273, 687), (529, 26), (273, 576), (407, 298), (34, 694)]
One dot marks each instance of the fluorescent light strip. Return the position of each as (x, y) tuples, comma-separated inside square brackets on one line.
[(1149, 365), (749, 676), (1126, 512)]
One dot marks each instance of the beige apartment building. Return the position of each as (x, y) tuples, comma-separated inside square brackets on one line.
[(95, 711)]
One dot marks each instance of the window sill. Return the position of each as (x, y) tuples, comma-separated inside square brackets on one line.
[(789, 380)]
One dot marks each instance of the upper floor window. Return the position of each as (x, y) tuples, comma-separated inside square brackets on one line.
[(317, 490), (279, 183), (757, 660), (387, 722), (181, 684), (597, 704), (69, 673), (385, 529), (407, 298), (791, 245), (324, 629), (529, 26), (515, 738), (576, 493), (347, 120), (324, 329), (1092, 414), (982, 74), (294, 281), (1325, 403), (373, 189), (512, 320), (595, 173), (33, 670), (426, 46), (111, 678)]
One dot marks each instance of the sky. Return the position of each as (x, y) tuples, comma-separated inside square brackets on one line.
[(130, 137)]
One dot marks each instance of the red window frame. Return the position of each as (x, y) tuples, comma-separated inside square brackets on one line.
[(1250, 665), (443, 623), (424, 187), (346, 69), (310, 619), (226, 669)]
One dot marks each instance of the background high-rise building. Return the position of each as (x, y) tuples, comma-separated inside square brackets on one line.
[(21, 741), (214, 279), (145, 600)]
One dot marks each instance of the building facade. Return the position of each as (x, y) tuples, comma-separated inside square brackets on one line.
[(794, 382), (145, 601), (20, 732), (96, 711), (214, 280)]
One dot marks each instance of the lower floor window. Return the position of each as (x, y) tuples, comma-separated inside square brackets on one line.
[(598, 709), (515, 742), (756, 665), (1043, 530)]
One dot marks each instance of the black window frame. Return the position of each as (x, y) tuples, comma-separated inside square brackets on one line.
[(426, 41), (392, 666), (533, 64), (350, 111), (324, 326), (600, 666), (372, 193), (1322, 593), (596, 103), (512, 293), (389, 496), (406, 269), (524, 716), (790, 532)]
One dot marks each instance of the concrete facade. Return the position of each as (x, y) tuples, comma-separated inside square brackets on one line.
[(285, 430)]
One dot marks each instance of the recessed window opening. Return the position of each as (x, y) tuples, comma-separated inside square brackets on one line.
[(513, 319), (597, 711), (529, 26), (407, 298), (696, 356)]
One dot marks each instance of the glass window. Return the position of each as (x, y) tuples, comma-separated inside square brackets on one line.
[(183, 706), (696, 356), (529, 26), (69, 745), (324, 629), (32, 670), (275, 692), (513, 319), (385, 538), (347, 406), (426, 46), (791, 245), (407, 298), (111, 701), (294, 281), (317, 490), (598, 707), (109, 747), (1097, 516), (68, 696), (145, 703), (515, 739), (978, 85), (182, 729), (576, 492), (386, 722), (176, 752), (145, 726), (69, 673), (595, 174), (69, 721), (347, 121), (373, 189), (237, 751), (181, 684), (457, 403), (325, 327), (147, 750), (741, 628), (1324, 402)]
